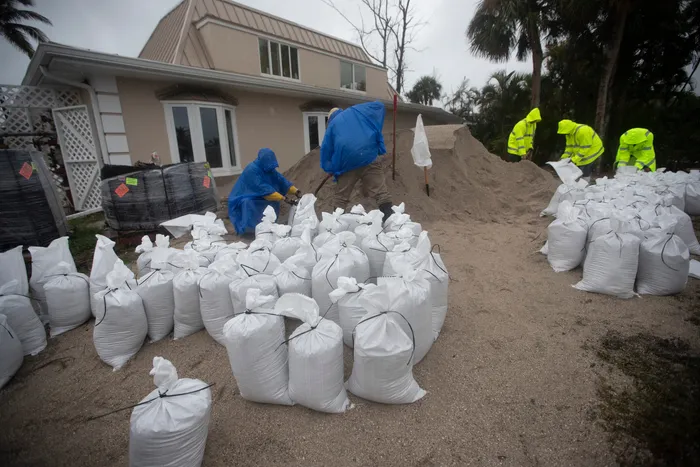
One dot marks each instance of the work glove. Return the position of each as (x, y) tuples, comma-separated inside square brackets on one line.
[(291, 202), (298, 194)]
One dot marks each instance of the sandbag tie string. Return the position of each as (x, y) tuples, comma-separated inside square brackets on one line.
[(199, 283), (8, 331), (670, 237), (20, 295), (308, 331), (432, 255), (104, 298), (413, 334), (72, 274)]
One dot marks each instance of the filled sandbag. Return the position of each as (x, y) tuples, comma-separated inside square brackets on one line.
[(243, 282), (330, 226), (258, 358), (290, 277), (338, 258), (187, 316), (286, 246), (215, 299), (684, 228), (230, 252), (664, 263), (611, 262), (353, 217), (364, 227), (382, 369), (307, 255), (566, 239), (404, 235), (315, 357), (376, 245), (120, 324), (397, 254), (258, 258), (146, 250), (692, 198), (156, 291), (67, 298), (205, 245), (169, 426), (43, 260), (11, 351), (399, 219), (12, 268), (265, 230), (20, 314), (350, 308), (571, 191), (303, 216), (102, 263)]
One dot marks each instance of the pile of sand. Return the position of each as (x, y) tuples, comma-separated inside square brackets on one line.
[(465, 181)]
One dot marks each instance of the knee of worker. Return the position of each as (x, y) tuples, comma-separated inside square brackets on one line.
[(340, 200)]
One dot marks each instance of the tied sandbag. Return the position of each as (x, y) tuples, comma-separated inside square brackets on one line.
[(404, 235), (265, 230), (156, 291), (364, 227), (382, 370), (571, 191), (20, 314), (330, 226), (684, 227), (566, 238), (339, 258), (11, 351), (399, 219), (120, 325), (215, 299), (258, 258), (286, 246), (187, 316), (397, 254), (303, 216), (307, 255), (376, 246), (692, 198), (12, 268), (146, 250), (545, 249), (102, 263), (290, 277), (243, 282), (67, 298), (354, 217), (170, 425), (43, 260), (350, 308), (230, 252), (664, 263), (205, 245), (258, 357), (611, 263), (315, 357), (408, 293), (597, 228)]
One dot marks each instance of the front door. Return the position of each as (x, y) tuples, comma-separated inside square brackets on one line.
[(314, 129)]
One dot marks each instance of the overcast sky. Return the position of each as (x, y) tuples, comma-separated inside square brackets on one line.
[(122, 27)]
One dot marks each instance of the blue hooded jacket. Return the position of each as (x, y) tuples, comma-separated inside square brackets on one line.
[(353, 138), (246, 203)]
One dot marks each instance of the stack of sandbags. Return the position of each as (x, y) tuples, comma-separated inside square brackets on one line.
[(353, 217)]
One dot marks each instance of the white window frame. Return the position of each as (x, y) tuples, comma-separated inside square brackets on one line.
[(195, 121), (322, 125), (354, 82), (269, 59)]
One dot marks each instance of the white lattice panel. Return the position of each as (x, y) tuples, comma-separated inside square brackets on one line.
[(79, 156), (31, 96)]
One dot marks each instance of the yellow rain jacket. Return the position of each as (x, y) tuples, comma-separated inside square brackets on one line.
[(637, 148), (583, 145), (520, 139)]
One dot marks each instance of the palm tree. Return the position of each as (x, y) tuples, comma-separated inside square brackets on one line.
[(16, 33), (500, 28), (425, 91)]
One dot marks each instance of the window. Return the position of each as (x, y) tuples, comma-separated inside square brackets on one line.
[(353, 76), (203, 132), (278, 59), (315, 124)]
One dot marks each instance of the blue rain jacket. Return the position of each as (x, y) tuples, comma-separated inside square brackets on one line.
[(246, 203), (353, 138)]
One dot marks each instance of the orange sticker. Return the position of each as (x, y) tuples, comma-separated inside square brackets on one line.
[(26, 170), (121, 190), (207, 181)]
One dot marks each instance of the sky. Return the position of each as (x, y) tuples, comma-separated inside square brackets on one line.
[(123, 26)]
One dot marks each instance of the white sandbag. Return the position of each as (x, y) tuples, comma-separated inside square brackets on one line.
[(545, 249), (293, 278), (146, 249), (420, 151), (22, 318), (611, 263), (364, 227), (692, 198), (694, 271), (12, 268), (399, 219), (187, 316), (597, 228), (243, 282), (339, 258), (215, 299), (664, 263), (120, 323), (376, 245), (67, 298), (265, 229), (315, 357), (172, 430), (156, 291), (330, 226), (258, 258), (684, 227), (230, 252), (398, 253), (350, 309), (286, 246), (304, 216), (307, 255), (566, 237), (567, 171), (353, 217), (184, 224), (102, 263), (205, 244), (408, 294), (570, 191), (404, 235), (382, 369), (43, 259), (11, 351), (258, 357)]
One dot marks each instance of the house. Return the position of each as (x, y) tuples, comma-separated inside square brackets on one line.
[(217, 81)]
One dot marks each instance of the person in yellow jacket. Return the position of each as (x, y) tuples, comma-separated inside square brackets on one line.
[(520, 139), (637, 148), (583, 145)]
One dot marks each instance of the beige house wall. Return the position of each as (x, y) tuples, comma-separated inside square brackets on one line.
[(319, 70)]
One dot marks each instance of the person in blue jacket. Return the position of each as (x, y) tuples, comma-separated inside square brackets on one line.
[(259, 186), (349, 152)]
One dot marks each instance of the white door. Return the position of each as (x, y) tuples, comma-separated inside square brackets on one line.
[(314, 129)]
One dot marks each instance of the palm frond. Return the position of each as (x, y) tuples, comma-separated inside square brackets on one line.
[(35, 33), (491, 36), (13, 16), (17, 39)]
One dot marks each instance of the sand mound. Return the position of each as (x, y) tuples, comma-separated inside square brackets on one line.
[(465, 181)]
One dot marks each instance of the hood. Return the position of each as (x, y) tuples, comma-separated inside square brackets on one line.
[(634, 136), (333, 113), (566, 127), (267, 160), (534, 116)]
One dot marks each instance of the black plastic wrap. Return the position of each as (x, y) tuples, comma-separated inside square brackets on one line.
[(155, 196), (30, 210)]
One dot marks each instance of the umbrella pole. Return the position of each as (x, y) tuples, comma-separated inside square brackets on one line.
[(427, 185)]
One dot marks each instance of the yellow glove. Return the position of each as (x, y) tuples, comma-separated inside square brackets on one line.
[(274, 197), (576, 160)]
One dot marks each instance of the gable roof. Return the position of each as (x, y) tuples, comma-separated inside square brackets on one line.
[(175, 29)]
